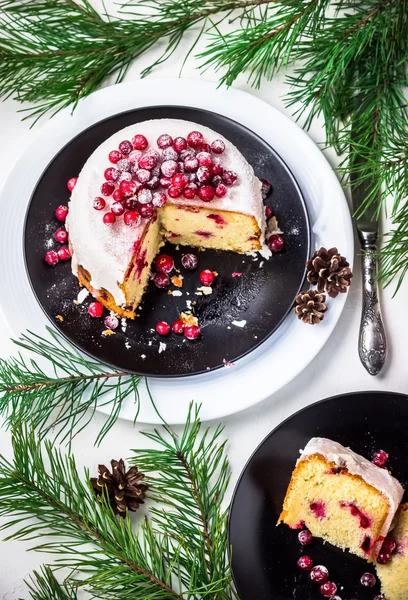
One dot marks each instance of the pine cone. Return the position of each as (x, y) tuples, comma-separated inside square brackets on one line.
[(125, 488), (329, 271), (310, 307)]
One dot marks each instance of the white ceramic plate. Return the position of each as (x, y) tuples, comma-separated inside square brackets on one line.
[(292, 347)]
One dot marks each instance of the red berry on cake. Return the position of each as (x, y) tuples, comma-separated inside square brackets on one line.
[(161, 280), (218, 146), (180, 181), (135, 156), (319, 574), (131, 217), (99, 203), (203, 174), (205, 148), (383, 558), (178, 326), (111, 322), (276, 243), (368, 580), (71, 183), (174, 192), (305, 563), (170, 154), (128, 187), (61, 213), (164, 263), (117, 208), (126, 148), (144, 196), (159, 199), (165, 182), (190, 191), (204, 159), (118, 196), (195, 139), (139, 142), (328, 589), (191, 332), (217, 170), (191, 164), (169, 168), (220, 190), (64, 253), (142, 175), (153, 183), (380, 458), (114, 156), (107, 188), (189, 261), (61, 235), (111, 174), (51, 258), (206, 193), (207, 277), (124, 176), (130, 203), (305, 537), (266, 188), (124, 164), (268, 212), (163, 328), (164, 141), (109, 218), (95, 309), (148, 161), (146, 210), (229, 177), (389, 546), (180, 144)]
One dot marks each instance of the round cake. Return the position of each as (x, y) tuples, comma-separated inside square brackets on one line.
[(159, 180)]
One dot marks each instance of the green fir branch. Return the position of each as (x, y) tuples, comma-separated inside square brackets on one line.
[(66, 401), (43, 585)]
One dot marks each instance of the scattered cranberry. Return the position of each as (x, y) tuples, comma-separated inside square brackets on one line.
[(139, 142), (305, 563), (205, 148), (191, 164), (111, 174), (142, 175), (206, 193), (180, 144), (180, 181), (164, 141), (380, 458), (130, 203), (161, 280), (148, 161), (111, 322), (218, 146), (220, 190), (99, 203), (204, 159), (95, 309), (169, 168), (191, 332), (268, 212), (229, 177), (305, 537), (203, 174), (266, 188), (144, 196), (51, 258), (195, 139), (189, 261), (117, 195), (117, 208), (368, 580), (170, 154), (128, 187), (383, 558), (126, 148), (153, 183), (123, 164), (165, 182), (190, 191), (178, 326), (61, 213), (164, 263), (64, 253), (135, 156), (389, 545), (174, 192), (276, 243), (163, 328), (109, 218), (216, 181), (159, 199), (146, 211), (125, 176), (131, 217), (107, 189), (61, 235), (319, 574), (207, 277), (114, 156), (71, 183), (217, 170), (328, 589)]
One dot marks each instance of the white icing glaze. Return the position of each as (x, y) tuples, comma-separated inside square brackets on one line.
[(105, 251), (358, 465)]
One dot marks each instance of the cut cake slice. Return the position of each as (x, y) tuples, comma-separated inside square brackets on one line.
[(394, 574)]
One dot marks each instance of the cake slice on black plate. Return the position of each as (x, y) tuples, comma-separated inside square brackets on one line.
[(393, 573)]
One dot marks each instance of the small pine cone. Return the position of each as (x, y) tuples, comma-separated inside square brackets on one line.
[(329, 271), (310, 307), (124, 488)]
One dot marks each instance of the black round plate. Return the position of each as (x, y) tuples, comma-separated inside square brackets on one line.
[(264, 556), (263, 296)]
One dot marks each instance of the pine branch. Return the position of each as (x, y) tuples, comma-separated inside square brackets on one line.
[(44, 585), (66, 401)]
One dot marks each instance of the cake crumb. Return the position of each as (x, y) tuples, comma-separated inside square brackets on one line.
[(108, 332), (261, 264), (143, 356), (228, 363), (188, 318), (127, 345), (123, 324), (59, 318), (177, 280), (169, 292), (236, 274), (149, 343), (204, 289), (162, 347), (239, 323), (177, 293)]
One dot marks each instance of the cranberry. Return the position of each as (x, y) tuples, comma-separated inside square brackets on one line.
[(111, 322), (207, 277), (165, 182), (206, 193), (305, 563), (139, 142), (124, 164), (130, 203), (111, 174), (61, 213), (161, 280), (305, 537), (135, 156), (229, 177), (319, 574), (164, 263), (205, 148), (114, 156), (191, 163), (217, 169), (125, 176), (204, 159), (389, 545), (153, 183), (99, 203), (220, 191), (195, 139), (380, 458), (159, 199), (142, 175), (117, 208), (180, 144), (95, 309), (178, 326), (174, 192), (117, 195), (328, 589), (148, 162), (268, 212), (71, 183), (190, 153), (169, 168), (107, 188), (128, 187), (109, 218), (189, 261), (190, 191), (266, 188), (164, 141), (131, 217), (64, 253), (51, 258), (191, 332), (180, 167), (193, 177), (276, 243), (203, 174), (218, 146), (169, 154), (146, 211), (61, 235), (163, 328), (379, 597), (180, 181), (368, 580), (383, 558), (144, 196)]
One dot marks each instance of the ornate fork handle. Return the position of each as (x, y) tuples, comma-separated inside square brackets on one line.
[(372, 344)]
